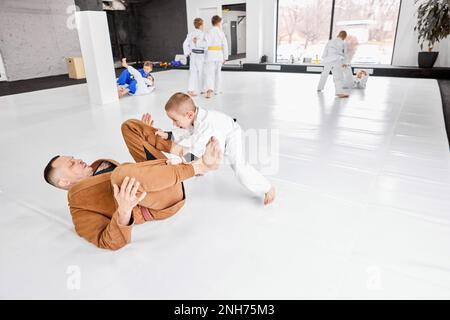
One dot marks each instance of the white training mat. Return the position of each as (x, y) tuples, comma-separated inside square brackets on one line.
[(363, 207)]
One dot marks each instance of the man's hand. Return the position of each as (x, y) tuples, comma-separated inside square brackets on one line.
[(164, 135), (127, 199), (147, 119)]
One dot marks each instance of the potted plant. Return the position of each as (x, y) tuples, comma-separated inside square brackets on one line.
[(433, 25)]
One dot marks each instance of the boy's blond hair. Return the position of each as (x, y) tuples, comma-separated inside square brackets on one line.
[(181, 103)]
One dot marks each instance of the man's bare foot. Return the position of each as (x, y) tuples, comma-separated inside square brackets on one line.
[(270, 196), (342, 95), (209, 94), (210, 160), (124, 62), (147, 119), (192, 93), (213, 154)]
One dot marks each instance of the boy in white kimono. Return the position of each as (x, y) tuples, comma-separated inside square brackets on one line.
[(216, 55), (335, 59), (195, 47), (140, 85), (360, 80), (195, 126)]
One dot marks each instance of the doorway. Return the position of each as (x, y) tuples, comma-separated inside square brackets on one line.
[(234, 25)]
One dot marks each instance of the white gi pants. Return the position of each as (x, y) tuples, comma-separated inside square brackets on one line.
[(348, 77), (247, 175), (196, 72), (213, 77), (338, 76)]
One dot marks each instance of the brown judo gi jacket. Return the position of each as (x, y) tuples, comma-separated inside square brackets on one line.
[(92, 203)]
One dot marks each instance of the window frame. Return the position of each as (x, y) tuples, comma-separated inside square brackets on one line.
[(331, 29)]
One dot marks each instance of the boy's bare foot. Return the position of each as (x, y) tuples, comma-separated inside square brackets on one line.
[(192, 93), (342, 95), (124, 62), (122, 92), (209, 94), (270, 196)]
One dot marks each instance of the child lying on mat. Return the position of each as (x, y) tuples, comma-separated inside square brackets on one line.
[(135, 82)]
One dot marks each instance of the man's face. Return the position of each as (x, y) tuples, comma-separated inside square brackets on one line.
[(69, 171), (148, 69), (181, 121)]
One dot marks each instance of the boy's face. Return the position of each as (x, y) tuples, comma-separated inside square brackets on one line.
[(361, 74), (180, 120), (148, 69)]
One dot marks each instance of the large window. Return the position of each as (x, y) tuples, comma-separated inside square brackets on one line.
[(305, 26)]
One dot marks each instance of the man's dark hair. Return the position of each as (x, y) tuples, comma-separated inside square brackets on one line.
[(48, 170)]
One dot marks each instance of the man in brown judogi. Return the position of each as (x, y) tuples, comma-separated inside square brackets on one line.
[(106, 199)]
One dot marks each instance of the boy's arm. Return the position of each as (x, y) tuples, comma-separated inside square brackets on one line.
[(202, 43), (196, 143), (346, 57), (325, 51), (186, 46), (135, 73), (225, 47)]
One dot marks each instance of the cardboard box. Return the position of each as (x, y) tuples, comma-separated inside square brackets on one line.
[(75, 67)]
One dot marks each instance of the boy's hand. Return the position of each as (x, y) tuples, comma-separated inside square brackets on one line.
[(162, 134), (174, 161), (147, 119)]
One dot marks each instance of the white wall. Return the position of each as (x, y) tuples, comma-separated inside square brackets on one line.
[(261, 19), (406, 47), (35, 39)]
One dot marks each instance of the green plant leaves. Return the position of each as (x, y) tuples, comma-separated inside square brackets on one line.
[(433, 21)]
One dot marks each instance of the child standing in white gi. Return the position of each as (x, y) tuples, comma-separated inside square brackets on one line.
[(335, 59), (195, 47), (195, 127), (216, 56)]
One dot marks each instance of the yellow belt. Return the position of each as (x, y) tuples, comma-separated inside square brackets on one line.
[(215, 48)]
